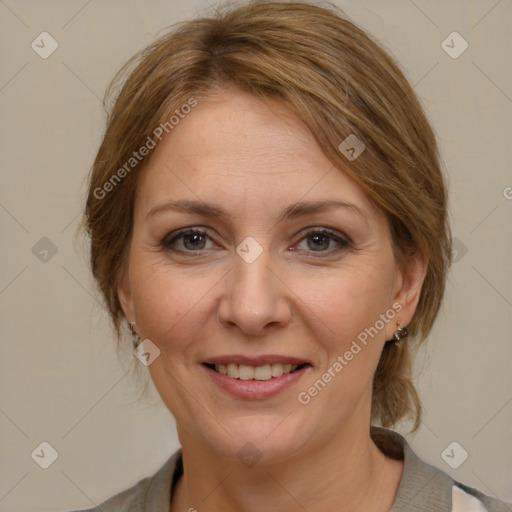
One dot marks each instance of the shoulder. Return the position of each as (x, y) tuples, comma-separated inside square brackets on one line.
[(468, 499), (124, 501), (150, 493), (426, 488)]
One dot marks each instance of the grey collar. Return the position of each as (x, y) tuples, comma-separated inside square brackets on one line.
[(423, 488)]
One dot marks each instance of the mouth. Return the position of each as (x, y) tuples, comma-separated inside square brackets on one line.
[(261, 373), (267, 379)]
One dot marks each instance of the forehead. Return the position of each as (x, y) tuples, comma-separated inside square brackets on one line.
[(234, 147)]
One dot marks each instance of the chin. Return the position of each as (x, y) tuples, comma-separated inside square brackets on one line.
[(268, 439)]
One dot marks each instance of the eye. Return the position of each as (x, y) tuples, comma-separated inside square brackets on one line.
[(194, 240), (320, 240)]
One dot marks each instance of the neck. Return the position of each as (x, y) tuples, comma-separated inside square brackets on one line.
[(348, 473)]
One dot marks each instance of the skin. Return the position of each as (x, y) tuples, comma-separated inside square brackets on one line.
[(300, 298)]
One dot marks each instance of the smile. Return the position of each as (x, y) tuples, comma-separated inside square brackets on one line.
[(255, 382), (246, 372)]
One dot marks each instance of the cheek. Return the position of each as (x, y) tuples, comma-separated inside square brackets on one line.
[(170, 305), (346, 322), (346, 303)]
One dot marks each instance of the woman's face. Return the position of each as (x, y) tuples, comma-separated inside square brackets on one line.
[(260, 280)]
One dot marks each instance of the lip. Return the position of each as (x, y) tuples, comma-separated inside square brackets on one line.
[(255, 360), (256, 389)]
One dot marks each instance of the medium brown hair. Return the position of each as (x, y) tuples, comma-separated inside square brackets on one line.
[(338, 81)]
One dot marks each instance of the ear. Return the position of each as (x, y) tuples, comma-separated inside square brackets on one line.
[(124, 294), (408, 285)]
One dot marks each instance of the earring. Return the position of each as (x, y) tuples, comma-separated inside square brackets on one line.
[(401, 332), (136, 337)]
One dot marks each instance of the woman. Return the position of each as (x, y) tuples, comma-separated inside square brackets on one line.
[(268, 214)]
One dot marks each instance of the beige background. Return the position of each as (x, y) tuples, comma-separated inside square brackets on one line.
[(60, 379)]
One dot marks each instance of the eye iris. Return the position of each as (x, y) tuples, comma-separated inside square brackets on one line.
[(323, 238), (195, 237)]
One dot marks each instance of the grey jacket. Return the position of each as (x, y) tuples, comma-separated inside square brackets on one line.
[(423, 488)]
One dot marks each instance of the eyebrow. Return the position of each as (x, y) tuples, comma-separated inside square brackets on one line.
[(292, 211)]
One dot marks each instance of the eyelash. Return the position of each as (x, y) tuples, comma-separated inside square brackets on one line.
[(343, 242)]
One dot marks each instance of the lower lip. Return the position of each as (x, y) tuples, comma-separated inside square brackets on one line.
[(256, 389)]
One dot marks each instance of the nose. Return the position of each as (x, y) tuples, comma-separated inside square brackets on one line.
[(255, 298)]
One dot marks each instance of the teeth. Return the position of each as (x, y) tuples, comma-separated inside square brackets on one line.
[(232, 370), (265, 372)]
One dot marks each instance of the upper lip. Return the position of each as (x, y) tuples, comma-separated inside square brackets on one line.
[(255, 360)]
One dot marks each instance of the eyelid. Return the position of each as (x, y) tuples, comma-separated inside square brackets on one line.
[(325, 231), (344, 242), (175, 235)]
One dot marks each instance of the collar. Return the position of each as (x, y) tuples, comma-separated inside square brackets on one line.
[(422, 488)]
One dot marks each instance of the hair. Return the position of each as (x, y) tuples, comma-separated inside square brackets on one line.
[(339, 81)]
